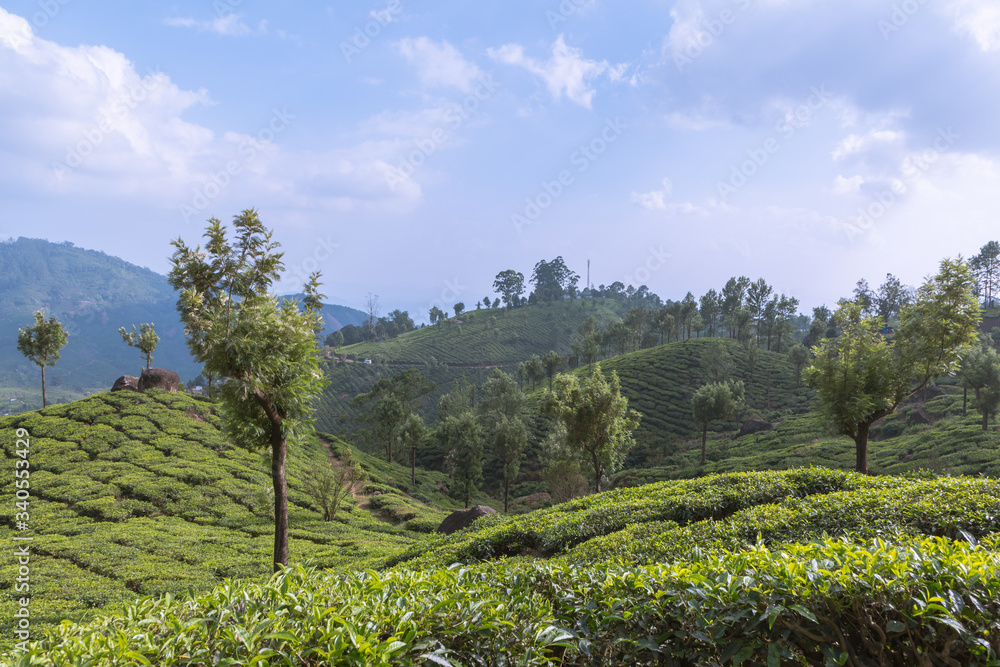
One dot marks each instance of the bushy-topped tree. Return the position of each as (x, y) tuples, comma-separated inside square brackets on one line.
[(265, 349), (41, 343), (597, 419), (145, 339), (862, 376)]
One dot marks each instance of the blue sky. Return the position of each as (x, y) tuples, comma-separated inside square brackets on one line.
[(415, 150)]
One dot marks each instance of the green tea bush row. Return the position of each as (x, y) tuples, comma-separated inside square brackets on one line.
[(904, 602), (551, 531)]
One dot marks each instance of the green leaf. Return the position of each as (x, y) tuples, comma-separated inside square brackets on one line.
[(774, 656)]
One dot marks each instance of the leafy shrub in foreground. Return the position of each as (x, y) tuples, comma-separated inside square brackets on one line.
[(924, 601)]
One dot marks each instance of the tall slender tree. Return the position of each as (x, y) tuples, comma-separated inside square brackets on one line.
[(267, 350)]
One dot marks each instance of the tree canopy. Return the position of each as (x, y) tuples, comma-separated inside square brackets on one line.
[(597, 418)]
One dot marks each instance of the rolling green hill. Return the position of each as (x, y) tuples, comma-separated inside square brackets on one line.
[(660, 381), (92, 294), (135, 494), (470, 346)]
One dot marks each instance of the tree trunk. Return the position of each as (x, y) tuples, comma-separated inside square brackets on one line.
[(468, 493), (861, 449), (986, 420), (965, 400), (279, 450), (597, 470), (43, 386), (506, 493), (413, 466), (704, 439)]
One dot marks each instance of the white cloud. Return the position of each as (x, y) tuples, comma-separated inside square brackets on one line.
[(567, 72), (859, 143), (440, 64), (846, 186), (656, 199), (980, 19), (103, 129), (229, 25)]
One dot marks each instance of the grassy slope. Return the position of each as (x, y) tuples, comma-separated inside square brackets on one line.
[(135, 494), (470, 348)]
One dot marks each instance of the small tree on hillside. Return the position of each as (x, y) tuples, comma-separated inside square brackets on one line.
[(464, 441), (713, 402), (716, 362), (145, 339), (597, 419), (535, 369), (330, 486), (799, 357), (861, 376), (553, 363), (502, 411), (459, 308), (41, 343), (411, 433)]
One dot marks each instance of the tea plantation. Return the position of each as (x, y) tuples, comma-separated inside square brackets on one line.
[(811, 566), (135, 494)]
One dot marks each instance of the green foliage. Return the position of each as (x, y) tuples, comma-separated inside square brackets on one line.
[(719, 400), (597, 418), (145, 339), (861, 376), (894, 599), (41, 343), (463, 438), (117, 511), (266, 351)]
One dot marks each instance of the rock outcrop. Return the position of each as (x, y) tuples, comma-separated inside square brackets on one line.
[(126, 382), (159, 378), (754, 426), (460, 519)]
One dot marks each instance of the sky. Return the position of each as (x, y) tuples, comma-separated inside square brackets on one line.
[(415, 150)]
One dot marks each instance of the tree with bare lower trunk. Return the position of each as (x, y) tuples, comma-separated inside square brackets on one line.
[(266, 350)]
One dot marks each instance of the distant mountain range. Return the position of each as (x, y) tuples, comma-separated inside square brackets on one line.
[(93, 294)]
